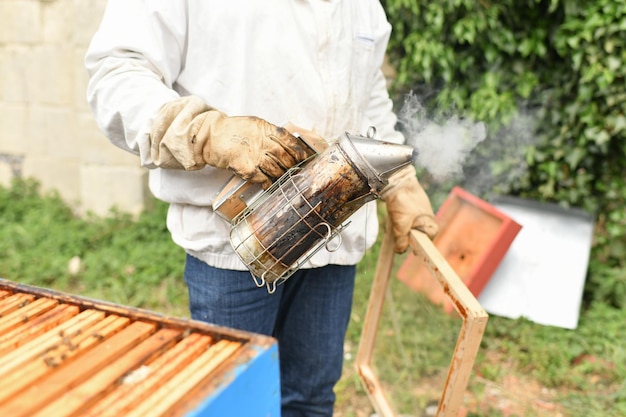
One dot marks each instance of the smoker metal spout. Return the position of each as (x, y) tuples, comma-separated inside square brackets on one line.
[(414, 156), (375, 159)]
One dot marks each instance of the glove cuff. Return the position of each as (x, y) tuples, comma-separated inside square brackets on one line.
[(179, 132), (405, 177)]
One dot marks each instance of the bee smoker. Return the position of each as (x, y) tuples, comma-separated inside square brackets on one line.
[(275, 231)]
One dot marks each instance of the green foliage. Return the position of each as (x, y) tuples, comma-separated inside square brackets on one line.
[(560, 64)]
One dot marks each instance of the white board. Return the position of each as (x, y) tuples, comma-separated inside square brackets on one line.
[(542, 276)]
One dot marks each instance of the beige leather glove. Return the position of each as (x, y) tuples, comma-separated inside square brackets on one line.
[(408, 207), (189, 134)]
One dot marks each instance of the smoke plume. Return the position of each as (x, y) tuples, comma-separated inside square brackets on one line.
[(443, 146), (454, 150)]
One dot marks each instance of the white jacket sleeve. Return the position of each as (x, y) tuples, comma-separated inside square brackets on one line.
[(380, 111), (132, 62)]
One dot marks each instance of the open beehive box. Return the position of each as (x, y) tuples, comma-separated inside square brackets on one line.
[(473, 237), (63, 355)]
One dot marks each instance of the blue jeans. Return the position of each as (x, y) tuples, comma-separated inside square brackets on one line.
[(308, 315)]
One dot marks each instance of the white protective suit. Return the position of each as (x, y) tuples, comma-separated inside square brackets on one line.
[(320, 69)]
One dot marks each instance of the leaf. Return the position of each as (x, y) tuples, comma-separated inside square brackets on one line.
[(613, 63), (597, 135), (617, 123), (574, 157)]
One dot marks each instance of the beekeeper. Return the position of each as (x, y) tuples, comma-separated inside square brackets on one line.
[(199, 89)]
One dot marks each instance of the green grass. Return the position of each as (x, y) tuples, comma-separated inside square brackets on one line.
[(522, 369), (122, 260)]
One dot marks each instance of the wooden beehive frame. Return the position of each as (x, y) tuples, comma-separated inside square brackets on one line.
[(471, 333)]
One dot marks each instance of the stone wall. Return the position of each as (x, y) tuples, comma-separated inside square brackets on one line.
[(47, 131)]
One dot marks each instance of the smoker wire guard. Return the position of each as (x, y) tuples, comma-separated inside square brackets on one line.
[(473, 315), (239, 243)]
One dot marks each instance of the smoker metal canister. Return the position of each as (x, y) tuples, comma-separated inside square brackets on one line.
[(307, 207)]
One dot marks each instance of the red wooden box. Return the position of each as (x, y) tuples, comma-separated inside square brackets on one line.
[(473, 237)]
